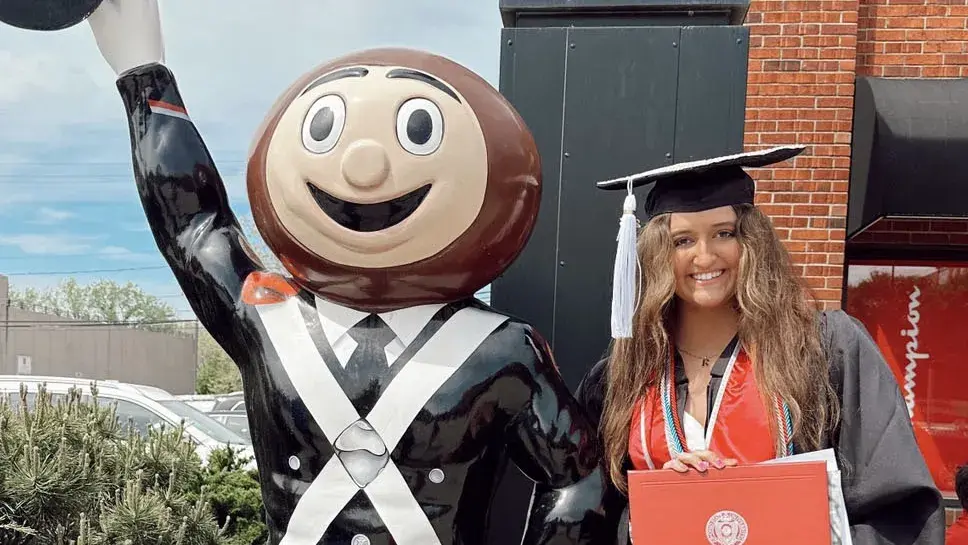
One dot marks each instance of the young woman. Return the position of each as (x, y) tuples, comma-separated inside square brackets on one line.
[(725, 361)]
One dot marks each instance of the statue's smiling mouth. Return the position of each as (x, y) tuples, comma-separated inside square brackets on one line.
[(367, 218)]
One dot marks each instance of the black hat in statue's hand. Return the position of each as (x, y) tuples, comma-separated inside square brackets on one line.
[(46, 14)]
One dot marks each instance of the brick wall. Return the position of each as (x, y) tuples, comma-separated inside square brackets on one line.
[(949, 232), (801, 73), (913, 38), (804, 55)]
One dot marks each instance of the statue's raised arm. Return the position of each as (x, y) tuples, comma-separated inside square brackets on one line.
[(181, 191)]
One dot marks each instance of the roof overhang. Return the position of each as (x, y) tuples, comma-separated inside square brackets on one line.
[(909, 152)]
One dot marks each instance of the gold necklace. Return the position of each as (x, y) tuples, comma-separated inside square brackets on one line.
[(705, 359)]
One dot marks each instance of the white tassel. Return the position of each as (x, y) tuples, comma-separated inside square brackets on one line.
[(626, 275)]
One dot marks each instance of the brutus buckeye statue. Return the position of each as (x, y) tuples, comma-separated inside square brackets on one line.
[(383, 399)]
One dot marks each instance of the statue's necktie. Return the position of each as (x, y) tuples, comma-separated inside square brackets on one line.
[(368, 363)]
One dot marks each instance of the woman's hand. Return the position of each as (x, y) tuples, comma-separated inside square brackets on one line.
[(700, 460), (128, 33)]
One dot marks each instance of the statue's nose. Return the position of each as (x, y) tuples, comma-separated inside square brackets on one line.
[(365, 164)]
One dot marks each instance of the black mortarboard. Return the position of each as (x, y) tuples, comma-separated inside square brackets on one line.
[(693, 186), (702, 185)]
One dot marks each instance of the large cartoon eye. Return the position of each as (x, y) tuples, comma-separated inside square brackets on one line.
[(420, 126), (324, 124)]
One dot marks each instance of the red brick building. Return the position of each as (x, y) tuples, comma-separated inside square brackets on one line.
[(815, 70), (804, 57)]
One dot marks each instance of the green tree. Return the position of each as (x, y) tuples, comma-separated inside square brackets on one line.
[(72, 472), (100, 301), (217, 373)]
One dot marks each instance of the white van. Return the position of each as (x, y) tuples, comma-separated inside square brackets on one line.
[(143, 406)]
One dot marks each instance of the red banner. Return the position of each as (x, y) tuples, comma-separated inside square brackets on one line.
[(918, 314)]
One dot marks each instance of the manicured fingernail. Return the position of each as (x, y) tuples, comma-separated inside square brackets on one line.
[(703, 466), (719, 464)]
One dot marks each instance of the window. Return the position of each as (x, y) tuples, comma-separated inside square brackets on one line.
[(135, 416), (916, 311), (24, 365)]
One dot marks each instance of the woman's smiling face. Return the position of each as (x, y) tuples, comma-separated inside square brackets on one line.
[(707, 255)]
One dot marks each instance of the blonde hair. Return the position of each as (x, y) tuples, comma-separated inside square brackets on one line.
[(778, 327)]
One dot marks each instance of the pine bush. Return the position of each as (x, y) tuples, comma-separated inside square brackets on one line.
[(72, 474)]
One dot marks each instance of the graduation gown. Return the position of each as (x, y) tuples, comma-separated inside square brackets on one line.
[(889, 493)]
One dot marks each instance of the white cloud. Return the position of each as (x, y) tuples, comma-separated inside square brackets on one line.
[(38, 244), (50, 216), (119, 253), (80, 192), (67, 245), (231, 63), (135, 227), (63, 132)]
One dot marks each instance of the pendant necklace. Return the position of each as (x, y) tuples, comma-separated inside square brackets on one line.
[(705, 359)]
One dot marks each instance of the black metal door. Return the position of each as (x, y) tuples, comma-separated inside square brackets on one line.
[(602, 102)]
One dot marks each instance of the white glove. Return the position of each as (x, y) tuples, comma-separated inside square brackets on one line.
[(128, 33)]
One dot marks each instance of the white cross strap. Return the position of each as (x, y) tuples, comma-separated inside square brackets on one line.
[(392, 415)]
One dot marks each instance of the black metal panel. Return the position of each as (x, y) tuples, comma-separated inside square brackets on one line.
[(711, 105), (511, 10), (612, 19), (610, 5), (613, 111), (910, 139), (533, 79), (619, 118), (533, 62)]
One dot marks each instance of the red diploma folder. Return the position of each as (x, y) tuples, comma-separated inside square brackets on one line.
[(767, 504)]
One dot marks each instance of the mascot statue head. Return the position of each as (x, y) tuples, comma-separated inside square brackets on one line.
[(391, 178)]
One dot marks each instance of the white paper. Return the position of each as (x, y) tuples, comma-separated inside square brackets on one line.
[(839, 524)]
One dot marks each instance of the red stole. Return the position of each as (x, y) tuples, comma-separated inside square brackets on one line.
[(740, 421)]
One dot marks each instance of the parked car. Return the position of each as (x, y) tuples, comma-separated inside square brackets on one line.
[(143, 406), (237, 421), (208, 403), (202, 402), (229, 402)]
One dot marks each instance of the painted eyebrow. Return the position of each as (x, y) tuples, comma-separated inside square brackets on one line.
[(420, 76), (354, 72)]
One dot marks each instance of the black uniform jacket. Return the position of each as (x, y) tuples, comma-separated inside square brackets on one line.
[(346, 457)]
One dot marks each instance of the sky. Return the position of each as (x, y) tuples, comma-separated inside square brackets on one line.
[(68, 202)]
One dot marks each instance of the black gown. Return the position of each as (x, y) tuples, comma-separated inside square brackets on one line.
[(890, 496)]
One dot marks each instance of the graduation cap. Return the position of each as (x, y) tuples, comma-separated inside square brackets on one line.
[(692, 186)]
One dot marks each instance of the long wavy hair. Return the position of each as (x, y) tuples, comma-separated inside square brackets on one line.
[(778, 328)]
